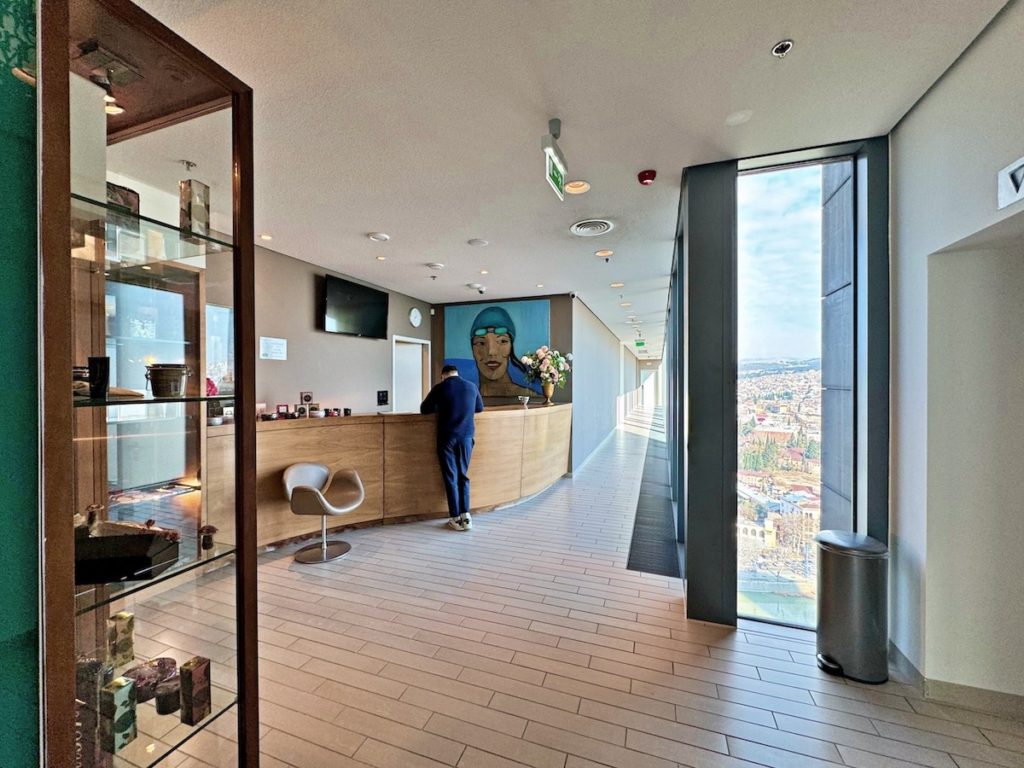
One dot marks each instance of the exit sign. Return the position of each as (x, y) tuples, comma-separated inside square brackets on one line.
[(641, 343), (556, 175), (555, 165)]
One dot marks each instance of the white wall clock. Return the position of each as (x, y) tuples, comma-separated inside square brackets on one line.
[(415, 317)]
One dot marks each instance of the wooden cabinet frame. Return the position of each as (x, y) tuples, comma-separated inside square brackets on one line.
[(56, 358)]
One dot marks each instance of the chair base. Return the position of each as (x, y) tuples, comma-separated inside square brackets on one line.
[(314, 553)]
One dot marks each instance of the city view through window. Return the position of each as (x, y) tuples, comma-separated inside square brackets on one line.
[(779, 393)]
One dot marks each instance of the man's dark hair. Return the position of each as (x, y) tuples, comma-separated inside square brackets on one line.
[(449, 369)]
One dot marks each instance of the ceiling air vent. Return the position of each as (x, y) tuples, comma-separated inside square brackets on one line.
[(591, 227)]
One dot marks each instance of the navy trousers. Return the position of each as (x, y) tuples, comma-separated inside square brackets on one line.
[(453, 454)]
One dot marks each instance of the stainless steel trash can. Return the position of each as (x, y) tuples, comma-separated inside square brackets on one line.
[(853, 597)]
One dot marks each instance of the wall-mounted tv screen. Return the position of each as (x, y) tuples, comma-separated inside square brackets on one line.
[(354, 309)]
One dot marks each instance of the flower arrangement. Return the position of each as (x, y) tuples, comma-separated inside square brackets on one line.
[(548, 365)]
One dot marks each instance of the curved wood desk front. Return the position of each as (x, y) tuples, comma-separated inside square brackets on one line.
[(519, 452)]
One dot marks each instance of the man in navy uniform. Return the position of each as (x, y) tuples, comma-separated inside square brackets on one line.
[(455, 401)]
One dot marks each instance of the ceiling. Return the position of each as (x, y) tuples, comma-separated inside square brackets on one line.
[(424, 120)]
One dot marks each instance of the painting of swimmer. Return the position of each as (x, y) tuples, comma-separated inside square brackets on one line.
[(485, 341)]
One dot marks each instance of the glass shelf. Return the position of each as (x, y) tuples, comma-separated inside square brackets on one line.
[(85, 402), (89, 597), (135, 242), (147, 751)]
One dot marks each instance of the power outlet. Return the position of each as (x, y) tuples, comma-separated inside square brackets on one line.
[(382, 397)]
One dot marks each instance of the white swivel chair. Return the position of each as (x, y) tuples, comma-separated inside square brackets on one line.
[(313, 490)]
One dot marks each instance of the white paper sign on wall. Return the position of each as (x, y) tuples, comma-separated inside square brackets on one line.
[(1011, 183), (273, 349)]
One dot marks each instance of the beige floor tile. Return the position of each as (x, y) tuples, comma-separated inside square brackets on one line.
[(503, 720), (300, 753), (330, 651), (859, 759), (458, 689), (373, 703), (310, 727), (496, 743), (610, 696), (475, 758), (419, 742), (612, 732), (381, 755), (592, 749), (669, 729)]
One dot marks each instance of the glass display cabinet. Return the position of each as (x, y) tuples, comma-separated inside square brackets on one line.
[(146, 238)]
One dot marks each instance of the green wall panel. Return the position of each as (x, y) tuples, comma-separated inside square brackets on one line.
[(19, 467)]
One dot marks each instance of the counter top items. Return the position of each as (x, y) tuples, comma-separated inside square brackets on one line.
[(524, 399), (195, 690), (168, 696), (206, 533), (99, 377), (81, 389), (117, 715), (147, 677), (194, 198), (116, 552), (91, 675), (167, 379), (121, 638), (550, 367)]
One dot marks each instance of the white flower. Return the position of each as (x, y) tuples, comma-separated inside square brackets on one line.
[(569, 356)]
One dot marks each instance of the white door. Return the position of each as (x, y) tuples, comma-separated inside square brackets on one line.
[(408, 378)]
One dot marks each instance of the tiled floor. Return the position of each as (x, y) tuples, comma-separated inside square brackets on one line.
[(525, 642)]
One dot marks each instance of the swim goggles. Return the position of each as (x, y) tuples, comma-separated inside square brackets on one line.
[(497, 330)]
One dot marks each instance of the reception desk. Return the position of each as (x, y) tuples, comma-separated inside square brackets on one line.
[(519, 452)]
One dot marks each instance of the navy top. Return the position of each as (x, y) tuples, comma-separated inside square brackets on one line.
[(454, 400)]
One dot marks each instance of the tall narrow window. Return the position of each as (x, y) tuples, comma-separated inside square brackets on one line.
[(780, 402)]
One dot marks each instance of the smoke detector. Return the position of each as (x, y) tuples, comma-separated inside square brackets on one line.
[(435, 265), (591, 227)]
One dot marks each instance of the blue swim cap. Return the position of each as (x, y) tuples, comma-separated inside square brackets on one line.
[(494, 317)]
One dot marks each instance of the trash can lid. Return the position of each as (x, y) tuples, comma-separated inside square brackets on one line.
[(852, 544)]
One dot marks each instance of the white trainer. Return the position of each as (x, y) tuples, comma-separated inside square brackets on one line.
[(456, 523), (467, 521)]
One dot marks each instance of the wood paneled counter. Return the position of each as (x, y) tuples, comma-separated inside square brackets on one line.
[(519, 452)]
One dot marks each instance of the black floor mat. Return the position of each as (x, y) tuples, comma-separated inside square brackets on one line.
[(653, 548)]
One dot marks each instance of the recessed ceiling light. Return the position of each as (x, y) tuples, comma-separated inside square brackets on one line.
[(474, 286), (577, 187), (381, 258), (436, 265), (379, 237), (146, 267), (781, 48), (484, 272), (616, 285), (604, 254), (540, 285), (626, 304), (266, 236), (478, 242), (739, 118)]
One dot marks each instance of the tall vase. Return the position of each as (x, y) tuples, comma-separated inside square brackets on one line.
[(548, 389)]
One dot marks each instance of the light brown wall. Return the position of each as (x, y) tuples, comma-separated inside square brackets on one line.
[(341, 371)]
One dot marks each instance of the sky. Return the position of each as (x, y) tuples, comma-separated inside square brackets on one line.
[(779, 256)]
